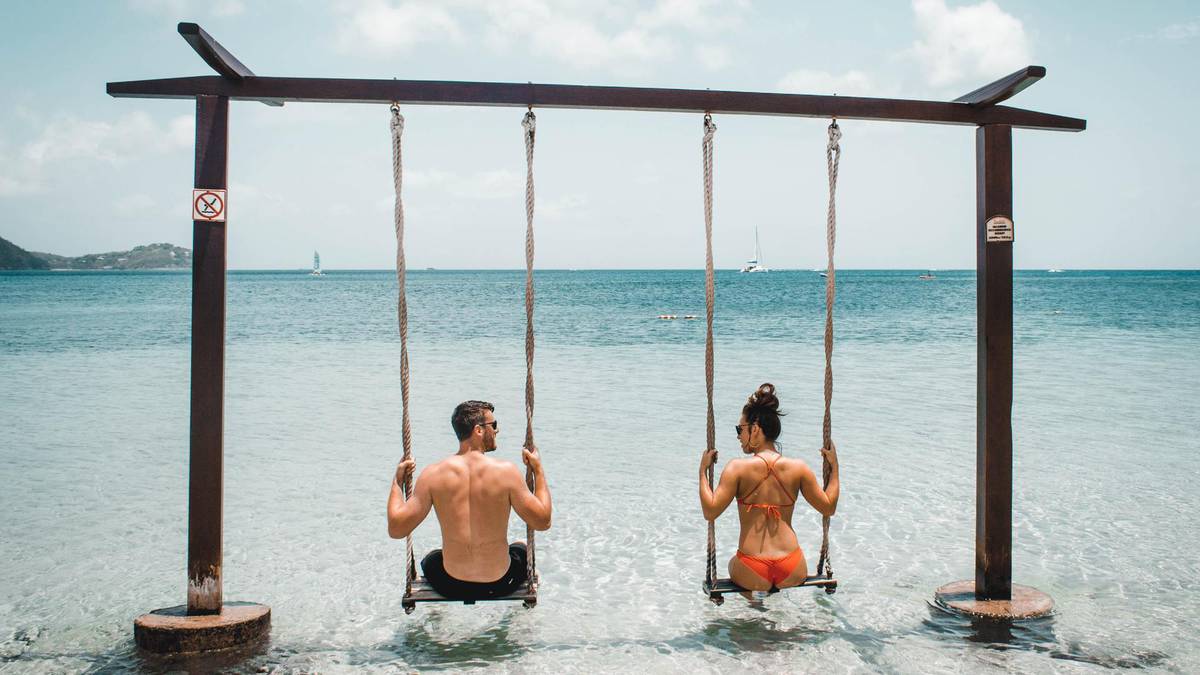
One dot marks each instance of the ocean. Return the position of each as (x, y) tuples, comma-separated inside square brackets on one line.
[(94, 371)]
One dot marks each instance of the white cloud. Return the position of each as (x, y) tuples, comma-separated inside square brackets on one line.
[(850, 83), (11, 186), (383, 28), (179, 10), (228, 8), (1176, 32), (133, 204), (492, 184), (133, 135), (970, 43), (713, 57), (553, 209), (170, 7), (70, 139), (573, 34), (706, 17), (616, 36), (181, 132), (426, 178), (1181, 31)]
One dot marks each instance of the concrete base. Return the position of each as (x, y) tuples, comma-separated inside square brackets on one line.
[(172, 631), (1026, 602)]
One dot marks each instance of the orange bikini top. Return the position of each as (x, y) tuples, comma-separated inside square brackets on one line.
[(771, 509)]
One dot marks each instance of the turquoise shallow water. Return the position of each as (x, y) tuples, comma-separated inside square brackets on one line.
[(93, 445)]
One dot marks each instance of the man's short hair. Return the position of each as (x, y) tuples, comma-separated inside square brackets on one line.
[(467, 415)]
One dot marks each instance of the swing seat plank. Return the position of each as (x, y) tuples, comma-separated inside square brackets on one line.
[(717, 590), (422, 591)]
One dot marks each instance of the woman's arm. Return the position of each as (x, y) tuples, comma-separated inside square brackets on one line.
[(714, 504), (823, 500)]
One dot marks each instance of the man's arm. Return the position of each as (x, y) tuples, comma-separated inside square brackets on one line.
[(405, 515), (714, 504), (533, 507), (823, 500)]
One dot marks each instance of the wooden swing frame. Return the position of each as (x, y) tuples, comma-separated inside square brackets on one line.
[(235, 82)]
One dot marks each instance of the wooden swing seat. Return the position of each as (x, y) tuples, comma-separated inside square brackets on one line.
[(716, 592), (423, 592)]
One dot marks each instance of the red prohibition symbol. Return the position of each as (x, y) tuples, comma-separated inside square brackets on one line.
[(209, 205)]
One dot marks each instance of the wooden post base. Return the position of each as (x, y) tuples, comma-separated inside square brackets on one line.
[(1026, 602), (172, 631)]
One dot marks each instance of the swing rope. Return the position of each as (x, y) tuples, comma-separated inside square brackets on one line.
[(833, 155), (530, 126), (706, 150), (397, 125)]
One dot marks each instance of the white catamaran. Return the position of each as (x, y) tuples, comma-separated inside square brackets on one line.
[(316, 270), (755, 265)]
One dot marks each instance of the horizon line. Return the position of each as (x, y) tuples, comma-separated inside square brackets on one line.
[(625, 269)]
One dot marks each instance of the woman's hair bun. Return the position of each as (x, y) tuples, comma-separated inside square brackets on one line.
[(764, 397), (762, 408)]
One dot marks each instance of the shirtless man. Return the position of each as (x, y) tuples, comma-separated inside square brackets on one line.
[(472, 494)]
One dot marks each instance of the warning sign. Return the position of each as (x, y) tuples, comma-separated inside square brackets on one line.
[(999, 228), (208, 205)]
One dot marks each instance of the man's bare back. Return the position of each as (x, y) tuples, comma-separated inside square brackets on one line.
[(472, 495)]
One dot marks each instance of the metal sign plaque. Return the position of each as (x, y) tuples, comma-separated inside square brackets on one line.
[(999, 228), (208, 205)]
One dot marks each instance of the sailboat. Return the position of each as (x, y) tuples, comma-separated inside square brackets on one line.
[(755, 265), (316, 270)]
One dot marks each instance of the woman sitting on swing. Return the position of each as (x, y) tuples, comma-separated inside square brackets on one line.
[(766, 485)]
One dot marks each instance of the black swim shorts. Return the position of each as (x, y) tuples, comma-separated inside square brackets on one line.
[(434, 569)]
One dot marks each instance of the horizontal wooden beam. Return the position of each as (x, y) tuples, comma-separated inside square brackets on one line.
[(1003, 88), (217, 57), (420, 92)]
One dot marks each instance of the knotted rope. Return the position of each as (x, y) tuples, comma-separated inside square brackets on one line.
[(833, 155), (530, 126), (402, 312), (706, 150)]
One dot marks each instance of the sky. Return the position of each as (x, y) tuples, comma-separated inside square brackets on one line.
[(82, 172)]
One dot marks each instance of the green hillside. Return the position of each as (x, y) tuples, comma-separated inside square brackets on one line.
[(13, 257), (148, 257)]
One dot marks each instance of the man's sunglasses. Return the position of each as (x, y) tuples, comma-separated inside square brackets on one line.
[(495, 425)]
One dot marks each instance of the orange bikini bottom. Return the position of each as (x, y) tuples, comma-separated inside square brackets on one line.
[(773, 570)]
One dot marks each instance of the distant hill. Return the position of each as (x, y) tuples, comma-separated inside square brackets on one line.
[(13, 257), (149, 257)]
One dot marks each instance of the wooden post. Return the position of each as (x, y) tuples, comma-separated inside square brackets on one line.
[(992, 593), (206, 482), (205, 622), (994, 382)]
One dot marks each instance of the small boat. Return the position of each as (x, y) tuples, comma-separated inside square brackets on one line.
[(316, 270), (1054, 270), (927, 276), (755, 265)]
